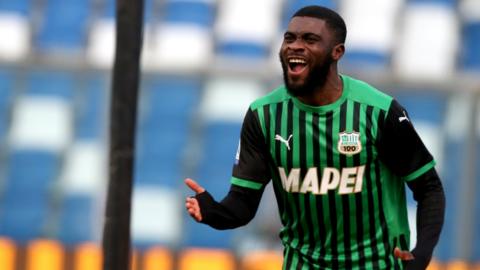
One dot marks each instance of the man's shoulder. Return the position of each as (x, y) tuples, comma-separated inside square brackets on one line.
[(365, 93), (277, 95)]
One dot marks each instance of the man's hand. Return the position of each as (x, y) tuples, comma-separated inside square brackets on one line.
[(191, 204), (403, 255)]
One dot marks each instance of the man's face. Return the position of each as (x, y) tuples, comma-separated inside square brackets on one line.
[(306, 55)]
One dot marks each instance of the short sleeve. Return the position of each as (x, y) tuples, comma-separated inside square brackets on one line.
[(251, 168), (399, 146)]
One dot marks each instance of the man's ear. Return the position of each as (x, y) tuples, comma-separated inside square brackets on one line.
[(338, 51)]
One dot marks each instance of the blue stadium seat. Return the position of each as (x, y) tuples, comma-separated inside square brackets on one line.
[(91, 113), (220, 143), (470, 55), (195, 12), (166, 108), (6, 94), (23, 215), (108, 10), (176, 96), (201, 235), (31, 171), (51, 83), (372, 58), (22, 7), (234, 48), (160, 153), (246, 40), (449, 3), (76, 219), (424, 104), (450, 176), (64, 25)]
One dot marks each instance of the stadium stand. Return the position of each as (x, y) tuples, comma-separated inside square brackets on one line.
[(203, 62), (63, 26), (15, 24), (158, 258), (45, 254), (166, 103), (6, 97), (8, 254), (87, 256), (213, 259), (371, 49), (470, 21), (427, 57), (259, 260), (224, 104), (167, 112), (181, 24), (246, 40), (455, 145)]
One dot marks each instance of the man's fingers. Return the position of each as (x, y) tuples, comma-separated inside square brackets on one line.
[(403, 255), (191, 204), (194, 186)]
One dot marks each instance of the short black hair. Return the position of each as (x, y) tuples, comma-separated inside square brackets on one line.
[(331, 18)]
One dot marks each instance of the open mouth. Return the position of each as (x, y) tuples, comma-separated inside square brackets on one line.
[(296, 65)]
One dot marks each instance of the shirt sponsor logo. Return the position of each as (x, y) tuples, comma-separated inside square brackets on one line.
[(347, 181), (349, 143)]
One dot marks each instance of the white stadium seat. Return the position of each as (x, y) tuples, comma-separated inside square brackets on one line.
[(156, 215), (470, 10), (15, 37), (428, 46), (85, 166), (41, 123), (227, 99), (258, 28), (371, 27), (181, 47)]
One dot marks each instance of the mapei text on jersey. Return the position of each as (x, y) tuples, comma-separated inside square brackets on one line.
[(347, 180)]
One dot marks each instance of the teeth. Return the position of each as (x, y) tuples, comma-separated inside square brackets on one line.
[(297, 61)]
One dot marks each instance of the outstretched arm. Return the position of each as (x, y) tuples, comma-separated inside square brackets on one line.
[(235, 210)]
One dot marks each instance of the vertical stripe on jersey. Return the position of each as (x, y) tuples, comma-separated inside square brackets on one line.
[(388, 250), (293, 161), (332, 193), (260, 116), (309, 226), (369, 187), (287, 213), (288, 258), (359, 117), (286, 155), (345, 198), (319, 200)]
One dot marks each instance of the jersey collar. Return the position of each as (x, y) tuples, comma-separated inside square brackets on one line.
[(328, 107)]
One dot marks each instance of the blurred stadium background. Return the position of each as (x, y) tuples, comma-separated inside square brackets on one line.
[(203, 62)]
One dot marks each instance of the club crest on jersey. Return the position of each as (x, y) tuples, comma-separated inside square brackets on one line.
[(349, 143)]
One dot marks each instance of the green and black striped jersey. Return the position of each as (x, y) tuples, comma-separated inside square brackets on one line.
[(338, 173)]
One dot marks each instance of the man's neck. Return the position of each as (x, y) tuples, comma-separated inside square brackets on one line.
[(326, 94)]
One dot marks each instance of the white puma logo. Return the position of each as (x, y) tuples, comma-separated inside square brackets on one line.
[(403, 118), (286, 142)]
